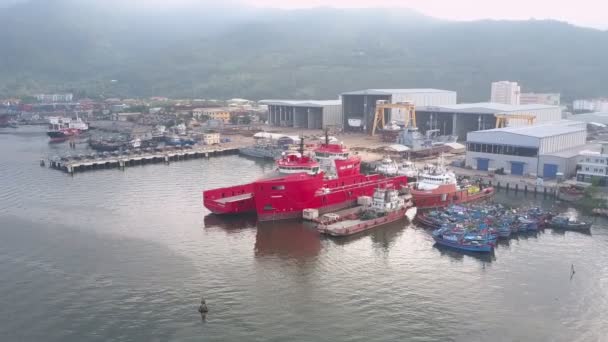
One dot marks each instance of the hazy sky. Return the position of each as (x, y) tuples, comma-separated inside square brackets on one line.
[(592, 13)]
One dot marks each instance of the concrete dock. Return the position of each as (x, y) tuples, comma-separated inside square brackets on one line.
[(73, 165)]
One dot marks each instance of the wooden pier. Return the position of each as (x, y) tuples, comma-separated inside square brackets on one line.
[(546, 191), (73, 165)]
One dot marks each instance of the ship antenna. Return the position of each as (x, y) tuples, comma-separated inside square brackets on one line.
[(301, 150)]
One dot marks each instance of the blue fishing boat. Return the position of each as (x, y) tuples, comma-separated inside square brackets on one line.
[(528, 225), (176, 140), (567, 223), (504, 230), (462, 241)]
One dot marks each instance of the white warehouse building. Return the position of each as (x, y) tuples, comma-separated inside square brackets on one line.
[(542, 150)]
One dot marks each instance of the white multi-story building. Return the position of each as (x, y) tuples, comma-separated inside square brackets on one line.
[(506, 92), (593, 166), (211, 138), (594, 105), (552, 99), (55, 97)]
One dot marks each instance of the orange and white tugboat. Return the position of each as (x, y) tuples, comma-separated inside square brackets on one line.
[(385, 206), (438, 187)]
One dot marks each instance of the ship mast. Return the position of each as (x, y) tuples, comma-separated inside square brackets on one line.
[(301, 148)]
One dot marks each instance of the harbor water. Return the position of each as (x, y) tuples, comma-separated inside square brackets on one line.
[(112, 255)]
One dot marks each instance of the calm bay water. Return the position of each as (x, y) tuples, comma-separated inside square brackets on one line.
[(125, 256)]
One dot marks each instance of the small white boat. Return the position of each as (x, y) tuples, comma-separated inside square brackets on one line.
[(411, 213), (135, 143), (355, 122), (408, 169), (387, 167)]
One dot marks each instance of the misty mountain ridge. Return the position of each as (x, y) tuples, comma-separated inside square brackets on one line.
[(217, 52)]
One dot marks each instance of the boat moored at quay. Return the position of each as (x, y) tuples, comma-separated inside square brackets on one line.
[(438, 187), (62, 128), (386, 206), (330, 180)]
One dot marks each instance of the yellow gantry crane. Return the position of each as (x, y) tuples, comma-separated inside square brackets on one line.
[(382, 105), (503, 119)]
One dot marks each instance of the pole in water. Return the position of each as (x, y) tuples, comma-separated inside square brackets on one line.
[(572, 271)]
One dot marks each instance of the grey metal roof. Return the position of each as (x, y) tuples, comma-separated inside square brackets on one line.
[(543, 130), (484, 108), (399, 147), (599, 117), (397, 91), (302, 103)]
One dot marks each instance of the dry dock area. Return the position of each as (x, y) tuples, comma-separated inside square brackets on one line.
[(72, 165)]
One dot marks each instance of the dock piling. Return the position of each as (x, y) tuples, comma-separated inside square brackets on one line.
[(72, 166)]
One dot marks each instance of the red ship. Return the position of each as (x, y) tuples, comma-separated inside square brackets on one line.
[(328, 182), (438, 187)]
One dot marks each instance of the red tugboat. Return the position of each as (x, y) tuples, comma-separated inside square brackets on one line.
[(329, 182), (438, 187)]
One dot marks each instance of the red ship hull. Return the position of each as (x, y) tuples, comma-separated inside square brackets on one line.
[(300, 184), (231, 200), (444, 197), (286, 197)]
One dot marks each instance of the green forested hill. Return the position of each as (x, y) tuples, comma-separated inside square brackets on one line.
[(61, 45)]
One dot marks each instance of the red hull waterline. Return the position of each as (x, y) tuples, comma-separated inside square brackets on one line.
[(430, 200)]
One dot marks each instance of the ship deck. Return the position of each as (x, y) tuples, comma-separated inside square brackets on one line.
[(234, 198), (342, 224)]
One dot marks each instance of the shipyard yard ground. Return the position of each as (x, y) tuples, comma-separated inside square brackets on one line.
[(126, 256)]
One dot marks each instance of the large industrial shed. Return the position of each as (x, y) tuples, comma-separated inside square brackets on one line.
[(362, 104), (459, 119), (310, 114), (542, 150)]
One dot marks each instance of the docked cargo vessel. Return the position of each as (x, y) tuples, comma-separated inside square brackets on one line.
[(261, 150), (386, 206), (61, 128), (438, 187), (328, 181)]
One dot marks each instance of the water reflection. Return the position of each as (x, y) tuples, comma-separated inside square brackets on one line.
[(286, 240), (382, 238), (562, 232), (265, 165), (459, 255), (231, 224)]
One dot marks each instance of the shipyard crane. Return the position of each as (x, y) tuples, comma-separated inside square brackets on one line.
[(503, 119), (382, 105)]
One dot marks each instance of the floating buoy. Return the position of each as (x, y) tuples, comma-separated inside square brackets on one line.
[(203, 307)]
